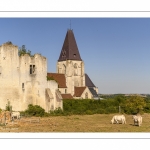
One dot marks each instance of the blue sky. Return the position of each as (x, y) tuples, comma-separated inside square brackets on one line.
[(116, 51)]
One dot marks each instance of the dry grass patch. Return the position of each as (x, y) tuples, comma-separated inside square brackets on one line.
[(78, 123)]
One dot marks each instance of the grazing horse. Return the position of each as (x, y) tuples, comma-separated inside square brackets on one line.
[(118, 118), (137, 119), (15, 114)]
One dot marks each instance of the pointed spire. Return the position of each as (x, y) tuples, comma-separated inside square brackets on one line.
[(69, 50)]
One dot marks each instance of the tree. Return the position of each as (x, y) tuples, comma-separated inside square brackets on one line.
[(23, 50), (8, 106), (134, 104)]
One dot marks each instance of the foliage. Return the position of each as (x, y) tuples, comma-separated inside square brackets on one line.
[(134, 105), (23, 50), (8, 106), (56, 112), (34, 110), (49, 78), (0, 110), (89, 107), (127, 104)]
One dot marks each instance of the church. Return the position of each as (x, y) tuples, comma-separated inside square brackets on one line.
[(24, 79), (72, 80)]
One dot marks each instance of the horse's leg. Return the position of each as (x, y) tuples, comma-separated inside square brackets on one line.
[(116, 121)]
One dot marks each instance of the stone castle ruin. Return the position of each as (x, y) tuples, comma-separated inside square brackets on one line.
[(24, 79)]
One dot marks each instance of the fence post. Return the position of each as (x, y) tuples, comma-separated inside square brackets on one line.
[(5, 117), (119, 109)]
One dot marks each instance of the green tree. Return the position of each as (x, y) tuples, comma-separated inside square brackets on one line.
[(134, 104), (8, 106), (23, 50)]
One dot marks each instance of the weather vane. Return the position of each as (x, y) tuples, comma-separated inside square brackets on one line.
[(70, 24)]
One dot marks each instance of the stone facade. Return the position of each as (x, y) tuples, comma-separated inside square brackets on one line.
[(23, 81), (74, 73)]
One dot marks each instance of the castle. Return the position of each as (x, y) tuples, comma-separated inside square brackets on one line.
[(24, 79)]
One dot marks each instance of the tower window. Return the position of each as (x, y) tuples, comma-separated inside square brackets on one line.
[(23, 87), (74, 55), (32, 69)]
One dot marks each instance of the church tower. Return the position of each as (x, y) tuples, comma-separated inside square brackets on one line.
[(71, 64)]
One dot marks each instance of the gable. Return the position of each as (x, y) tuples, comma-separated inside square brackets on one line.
[(59, 78), (78, 91)]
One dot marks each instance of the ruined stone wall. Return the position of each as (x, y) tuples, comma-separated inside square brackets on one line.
[(9, 74), (57, 100), (33, 81), (22, 79)]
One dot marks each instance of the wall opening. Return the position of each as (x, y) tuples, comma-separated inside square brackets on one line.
[(23, 87), (0, 70), (86, 95), (32, 69)]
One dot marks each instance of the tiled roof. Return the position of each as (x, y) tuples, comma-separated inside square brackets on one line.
[(60, 78), (78, 91), (88, 81), (66, 96), (69, 49)]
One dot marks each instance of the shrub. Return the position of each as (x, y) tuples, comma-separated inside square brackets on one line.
[(35, 110), (57, 112)]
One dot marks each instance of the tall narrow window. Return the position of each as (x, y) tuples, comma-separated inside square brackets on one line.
[(86, 95), (32, 69), (64, 69), (75, 69), (22, 86)]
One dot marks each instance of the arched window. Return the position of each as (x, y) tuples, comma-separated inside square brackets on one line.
[(86, 95), (64, 69), (75, 69)]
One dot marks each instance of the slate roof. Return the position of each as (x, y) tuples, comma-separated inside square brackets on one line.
[(66, 96), (60, 78), (78, 91), (69, 49), (94, 93), (88, 81)]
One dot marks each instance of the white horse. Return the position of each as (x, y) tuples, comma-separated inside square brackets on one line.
[(118, 118), (15, 114), (137, 119)]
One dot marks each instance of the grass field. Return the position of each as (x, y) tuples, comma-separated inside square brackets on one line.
[(77, 123)]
